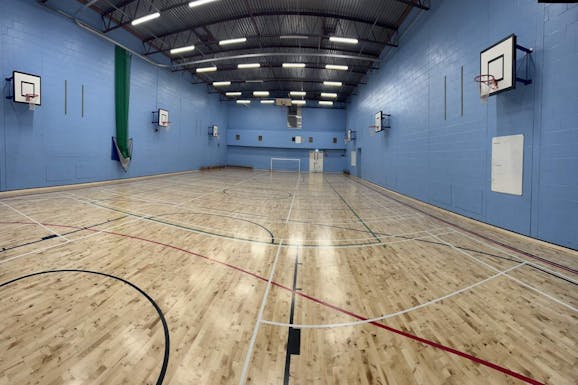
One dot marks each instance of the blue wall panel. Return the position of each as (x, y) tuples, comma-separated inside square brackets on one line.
[(270, 122), (50, 147), (443, 157)]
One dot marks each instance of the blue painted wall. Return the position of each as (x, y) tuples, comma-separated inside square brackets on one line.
[(445, 160), (270, 122), (48, 147)]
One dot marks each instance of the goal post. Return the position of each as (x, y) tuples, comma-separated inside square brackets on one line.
[(285, 164)]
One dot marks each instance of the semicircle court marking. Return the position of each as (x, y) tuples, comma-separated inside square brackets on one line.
[(164, 366)]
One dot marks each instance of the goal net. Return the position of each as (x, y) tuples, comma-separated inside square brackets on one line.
[(285, 164)]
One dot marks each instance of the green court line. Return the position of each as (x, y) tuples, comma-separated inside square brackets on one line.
[(352, 210)]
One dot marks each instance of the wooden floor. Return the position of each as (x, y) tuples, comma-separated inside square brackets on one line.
[(246, 277)]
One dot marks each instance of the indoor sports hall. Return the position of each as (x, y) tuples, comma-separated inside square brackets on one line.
[(288, 192)]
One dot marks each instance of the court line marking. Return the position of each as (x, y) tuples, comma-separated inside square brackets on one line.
[(35, 221), (408, 335), (40, 250), (257, 326), (528, 262), (543, 260), (560, 302), (397, 313)]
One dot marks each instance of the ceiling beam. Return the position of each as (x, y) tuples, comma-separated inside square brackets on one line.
[(309, 65), (381, 44), (271, 54), (389, 26), (421, 4), (283, 80)]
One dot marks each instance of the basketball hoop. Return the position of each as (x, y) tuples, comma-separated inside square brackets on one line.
[(372, 130), (31, 100), (487, 84)]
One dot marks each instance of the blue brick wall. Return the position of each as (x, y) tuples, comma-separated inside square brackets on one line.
[(270, 122), (48, 147), (445, 159)]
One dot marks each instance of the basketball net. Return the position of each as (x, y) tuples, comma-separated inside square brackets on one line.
[(487, 84), (31, 100), (372, 130)]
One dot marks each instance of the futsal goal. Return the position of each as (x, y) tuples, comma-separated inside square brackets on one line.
[(285, 164)]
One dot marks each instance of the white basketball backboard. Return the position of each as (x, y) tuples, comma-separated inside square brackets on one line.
[(26, 88), (163, 118), (378, 121), (499, 60)]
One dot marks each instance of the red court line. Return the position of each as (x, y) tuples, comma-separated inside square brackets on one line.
[(433, 344), (494, 241)]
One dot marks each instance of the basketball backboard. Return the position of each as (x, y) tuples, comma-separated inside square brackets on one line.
[(163, 118), (26, 88), (499, 61)]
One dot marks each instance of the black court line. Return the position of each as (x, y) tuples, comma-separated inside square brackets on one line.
[(3, 249), (251, 194), (294, 335), (164, 366), (224, 216)]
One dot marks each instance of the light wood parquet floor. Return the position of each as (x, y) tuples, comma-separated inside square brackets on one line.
[(249, 277)]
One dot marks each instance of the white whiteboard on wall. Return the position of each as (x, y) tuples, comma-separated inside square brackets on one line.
[(508, 164), (353, 158)]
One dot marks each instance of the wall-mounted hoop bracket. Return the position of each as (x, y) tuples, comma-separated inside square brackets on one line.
[(525, 81)]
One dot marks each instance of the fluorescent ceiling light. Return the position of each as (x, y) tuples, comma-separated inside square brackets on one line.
[(248, 65), (206, 69), (336, 67), (326, 102), (332, 84), (146, 18), (221, 84), (328, 95), (268, 101), (243, 102), (233, 41), (196, 3), (182, 49), (298, 102), (293, 37), (297, 93), (260, 93), (293, 65), (253, 81), (346, 40), (233, 93)]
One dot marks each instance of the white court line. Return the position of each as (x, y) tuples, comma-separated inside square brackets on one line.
[(528, 262), (249, 355), (68, 241), (560, 302), (390, 315), (35, 221)]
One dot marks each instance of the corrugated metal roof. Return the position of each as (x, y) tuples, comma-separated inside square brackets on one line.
[(263, 22)]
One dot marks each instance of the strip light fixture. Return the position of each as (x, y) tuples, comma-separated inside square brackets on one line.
[(346, 40), (325, 103), (268, 101), (233, 41), (146, 18), (328, 95), (336, 67), (248, 65), (233, 93), (293, 37), (332, 84), (293, 65), (182, 49), (221, 84), (297, 93), (197, 3), (298, 102), (260, 93), (241, 101), (206, 69)]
